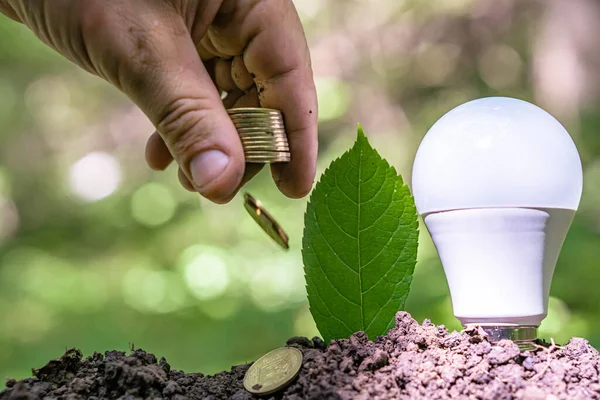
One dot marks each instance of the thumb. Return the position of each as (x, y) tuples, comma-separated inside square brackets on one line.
[(165, 76)]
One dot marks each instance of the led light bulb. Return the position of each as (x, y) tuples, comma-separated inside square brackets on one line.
[(497, 181)]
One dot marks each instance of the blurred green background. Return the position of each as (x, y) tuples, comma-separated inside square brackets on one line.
[(98, 252)]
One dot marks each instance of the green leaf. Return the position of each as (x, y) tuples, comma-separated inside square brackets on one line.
[(359, 245)]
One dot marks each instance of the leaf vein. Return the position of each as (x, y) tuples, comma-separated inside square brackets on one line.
[(329, 279), (328, 309), (379, 311)]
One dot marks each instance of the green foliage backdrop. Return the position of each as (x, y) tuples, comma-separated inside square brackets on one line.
[(99, 252)]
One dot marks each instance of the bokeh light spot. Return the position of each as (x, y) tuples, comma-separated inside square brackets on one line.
[(153, 291), (221, 308), (435, 63), (95, 176), (153, 204), (334, 97), (39, 320), (500, 66), (205, 272), (278, 283)]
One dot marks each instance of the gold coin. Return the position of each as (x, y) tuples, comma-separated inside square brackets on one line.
[(264, 116), (273, 371), (257, 110), (263, 139), (255, 117), (252, 109), (258, 127), (253, 145), (269, 153), (254, 131), (256, 121), (250, 157), (265, 220), (263, 131), (268, 160), (246, 144), (265, 147)]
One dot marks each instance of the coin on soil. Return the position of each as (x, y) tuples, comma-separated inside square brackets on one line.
[(273, 371)]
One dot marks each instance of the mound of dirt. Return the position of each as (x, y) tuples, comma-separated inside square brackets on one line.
[(411, 362)]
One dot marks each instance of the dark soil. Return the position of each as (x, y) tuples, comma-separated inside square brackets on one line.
[(411, 362)]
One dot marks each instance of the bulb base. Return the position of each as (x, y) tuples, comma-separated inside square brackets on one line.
[(524, 336)]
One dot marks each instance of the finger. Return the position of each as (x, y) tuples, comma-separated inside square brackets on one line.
[(185, 182), (210, 66), (158, 155), (276, 54), (251, 171), (232, 97), (241, 77), (223, 75), (159, 68), (248, 99)]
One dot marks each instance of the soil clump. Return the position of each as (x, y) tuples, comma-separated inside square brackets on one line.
[(411, 362)]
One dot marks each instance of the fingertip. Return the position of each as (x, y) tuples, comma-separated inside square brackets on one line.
[(158, 157), (223, 77), (295, 187), (184, 181), (216, 175), (250, 172)]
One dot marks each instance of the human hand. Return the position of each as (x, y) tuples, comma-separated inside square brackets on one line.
[(173, 58)]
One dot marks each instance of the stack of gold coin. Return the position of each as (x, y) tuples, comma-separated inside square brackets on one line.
[(262, 133)]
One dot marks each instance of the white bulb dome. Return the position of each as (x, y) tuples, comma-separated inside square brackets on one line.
[(496, 152)]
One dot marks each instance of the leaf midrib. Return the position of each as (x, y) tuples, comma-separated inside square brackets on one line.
[(362, 308)]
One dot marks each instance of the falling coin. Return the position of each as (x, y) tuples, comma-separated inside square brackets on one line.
[(273, 371), (265, 220)]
